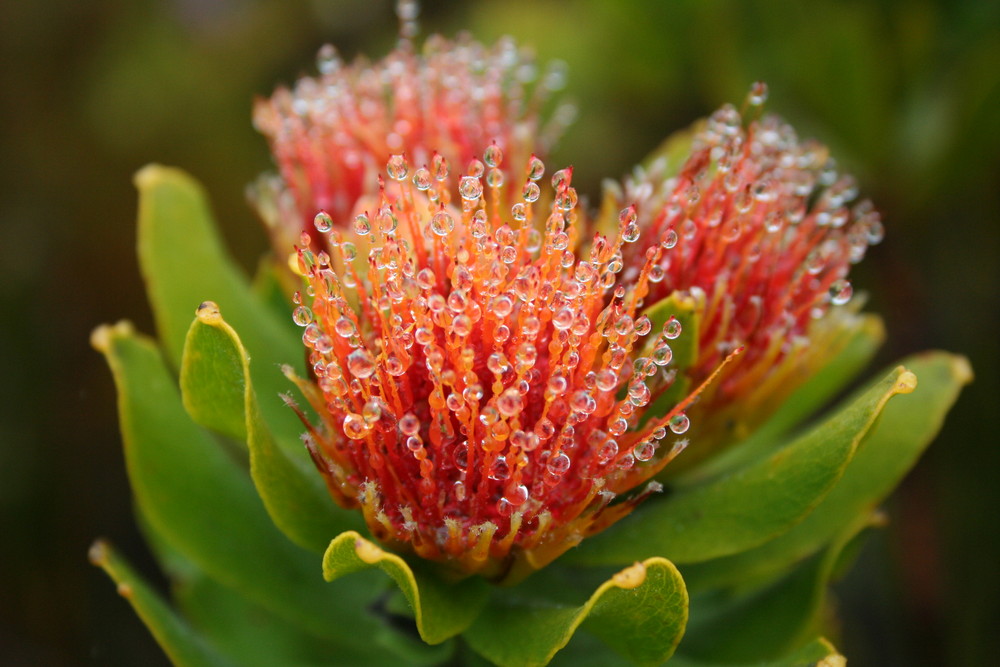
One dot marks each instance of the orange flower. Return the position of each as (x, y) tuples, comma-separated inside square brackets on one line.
[(481, 386), (756, 232), (332, 134)]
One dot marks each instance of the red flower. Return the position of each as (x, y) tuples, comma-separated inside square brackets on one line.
[(481, 395), (332, 134), (757, 231)]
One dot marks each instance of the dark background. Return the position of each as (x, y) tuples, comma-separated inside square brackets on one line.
[(907, 94)]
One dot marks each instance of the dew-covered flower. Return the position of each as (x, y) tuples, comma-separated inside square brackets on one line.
[(482, 374), (332, 134), (755, 233)]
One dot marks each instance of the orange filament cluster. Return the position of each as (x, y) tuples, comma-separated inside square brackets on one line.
[(332, 134), (481, 371), (759, 230)]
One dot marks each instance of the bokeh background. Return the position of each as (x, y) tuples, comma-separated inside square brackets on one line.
[(907, 94)]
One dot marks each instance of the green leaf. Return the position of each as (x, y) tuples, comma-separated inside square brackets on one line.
[(817, 653), (906, 427), (684, 348), (865, 337), (218, 392), (179, 641), (769, 622), (200, 501), (184, 263), (250, 634), (441, 609), (640, 612), (750, 505)]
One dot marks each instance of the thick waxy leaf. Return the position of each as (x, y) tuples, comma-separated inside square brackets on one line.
[(218, 392), (640, 612), (184, 263), (751, 505), (817, 391), (441, 609), (768, 623), (179, 641), (906, 427), (199, 500), (817, 653), (251, 635)]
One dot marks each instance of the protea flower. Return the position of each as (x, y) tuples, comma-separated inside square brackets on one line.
[(482, 384), (496, 375), (332, 134), (754, 235)]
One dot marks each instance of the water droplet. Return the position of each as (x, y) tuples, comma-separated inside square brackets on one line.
[(500, 470), (302, 316), (397, 168), (509, 403), (470, 188), (644, 451), (531, 192), (439, 167), (558, 464), (442, 223), (517, 496), (362, 225), (422, 179), (840, 292), (323, 222), (355, 426), (662, 354), (536, 168), (679, 423), (758, 94), (672, 329), (493, 155), (360, 363)]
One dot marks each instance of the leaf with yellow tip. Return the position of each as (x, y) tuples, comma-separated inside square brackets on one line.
[(218, 390), (184, 263), (904, 430), (441, 609), (817, 653), (179, 641), (640, 612), (752, 504)]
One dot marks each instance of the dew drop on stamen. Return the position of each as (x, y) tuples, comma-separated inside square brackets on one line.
[(840, 292), (679, 423), (644, 451), (422, 179), (558, 464), (442, 223), (536, 168), (323, 222), (362, 225), (354, 426), (470, 188), (302, 316), (531, 192), (397, 168), (672, 329), (499, 470), (360, 363)]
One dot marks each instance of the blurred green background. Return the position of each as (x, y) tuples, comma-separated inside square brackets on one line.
[(907, 94)]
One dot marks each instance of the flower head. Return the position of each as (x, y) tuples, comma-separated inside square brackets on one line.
[(756, 231), (332, 134), (482, 384)]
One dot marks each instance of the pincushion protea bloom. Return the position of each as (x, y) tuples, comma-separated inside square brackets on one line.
[(332, 134), (482, 384), (494, 380), (755, 233)]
